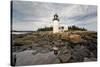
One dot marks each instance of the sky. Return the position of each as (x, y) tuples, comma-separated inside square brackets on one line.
[(30, 15)]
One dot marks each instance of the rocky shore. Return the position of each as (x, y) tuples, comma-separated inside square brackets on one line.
[(37, 48)]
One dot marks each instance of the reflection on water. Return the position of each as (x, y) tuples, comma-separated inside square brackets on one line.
[(28, 58)]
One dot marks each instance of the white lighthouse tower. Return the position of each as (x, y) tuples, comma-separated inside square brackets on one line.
[(55, 24)]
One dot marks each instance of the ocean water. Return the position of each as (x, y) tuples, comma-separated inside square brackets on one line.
[(19, 32)]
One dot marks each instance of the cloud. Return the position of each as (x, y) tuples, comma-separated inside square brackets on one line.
[(28, 15)]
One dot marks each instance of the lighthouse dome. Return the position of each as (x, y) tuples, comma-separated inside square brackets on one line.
[(56, 17)]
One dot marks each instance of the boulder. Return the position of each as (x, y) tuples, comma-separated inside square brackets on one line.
[(79, 52), (64, 55), (74, 38), (89, 59), (64, 58)]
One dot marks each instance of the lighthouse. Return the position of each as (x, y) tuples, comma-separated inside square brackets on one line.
[(55, 24)]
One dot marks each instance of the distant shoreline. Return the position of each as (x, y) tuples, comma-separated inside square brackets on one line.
[(22, 31)]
